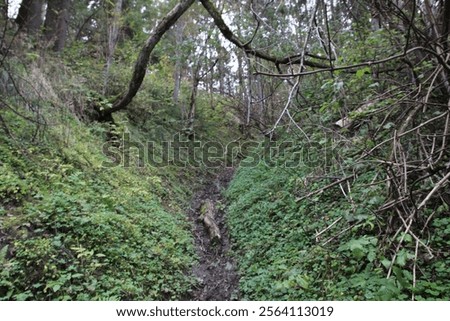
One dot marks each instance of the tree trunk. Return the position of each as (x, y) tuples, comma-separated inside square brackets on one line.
[(56, 23), (446, 24), (249, 93), (178, 65), (30, 15), (222, 70), (126, 32), (113, 36), (193, 100), (4, 10), (22, 16)]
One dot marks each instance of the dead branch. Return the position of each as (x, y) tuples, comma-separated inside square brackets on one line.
[(324, 188), (327, 228), (207, 215), (438, 185), (362, 64)]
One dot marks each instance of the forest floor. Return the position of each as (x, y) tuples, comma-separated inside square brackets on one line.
[(216, 270)]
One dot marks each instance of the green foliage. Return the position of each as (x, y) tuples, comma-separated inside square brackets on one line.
[(326, 246), (73, 230), (13, 187)]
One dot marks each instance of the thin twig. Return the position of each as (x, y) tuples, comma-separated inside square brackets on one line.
[(339, 234), (416, 252), (328, 227), (436, 187)]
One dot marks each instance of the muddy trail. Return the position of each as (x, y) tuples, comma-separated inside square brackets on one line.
[(216, 270)]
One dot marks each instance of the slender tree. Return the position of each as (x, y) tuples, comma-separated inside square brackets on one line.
[(179, 29), (56, 23), (113, 37)]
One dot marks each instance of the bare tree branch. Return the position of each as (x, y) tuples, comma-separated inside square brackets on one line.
[(362, 64), (230, 36)]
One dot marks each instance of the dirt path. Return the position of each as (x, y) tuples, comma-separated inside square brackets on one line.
[(216, 270)]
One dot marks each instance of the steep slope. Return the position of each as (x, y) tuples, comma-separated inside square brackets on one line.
[(311, 232)]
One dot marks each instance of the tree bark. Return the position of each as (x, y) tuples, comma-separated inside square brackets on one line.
[(56, 23), (30, 17)]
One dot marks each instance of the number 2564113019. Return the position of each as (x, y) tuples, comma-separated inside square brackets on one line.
[(301, 311)]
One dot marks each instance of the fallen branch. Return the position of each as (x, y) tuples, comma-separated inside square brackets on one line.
[(207, 215)]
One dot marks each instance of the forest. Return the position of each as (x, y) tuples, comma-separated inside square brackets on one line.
[(224, 150)]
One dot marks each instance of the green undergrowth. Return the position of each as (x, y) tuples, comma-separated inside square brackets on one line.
[(294, 244), (71, 229)]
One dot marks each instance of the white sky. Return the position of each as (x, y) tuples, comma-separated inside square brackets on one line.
[(13, 8)]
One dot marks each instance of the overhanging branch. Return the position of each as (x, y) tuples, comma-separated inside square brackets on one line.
[(140, 67), (359, 65), (230, 36)]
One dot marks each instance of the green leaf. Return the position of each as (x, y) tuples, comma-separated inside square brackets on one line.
[(361, 72), (302, 282), (402, 257), (371, 256)]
